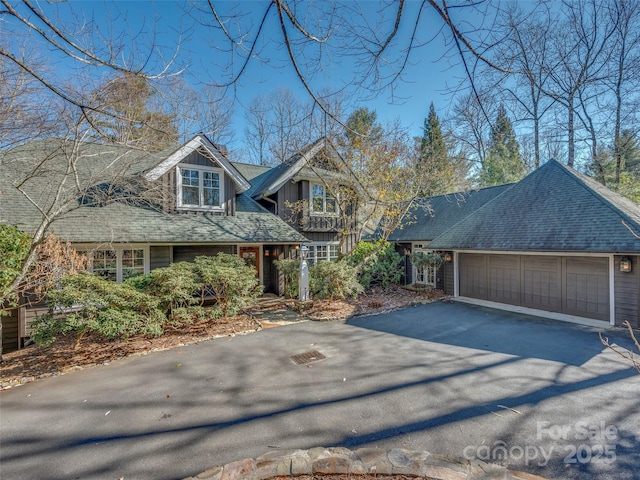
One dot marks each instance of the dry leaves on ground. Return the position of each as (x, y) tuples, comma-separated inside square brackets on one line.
[(36, 361)]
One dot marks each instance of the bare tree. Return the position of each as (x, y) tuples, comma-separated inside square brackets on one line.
[(257, 132), (623, 82), (524, 49), (582, 50)]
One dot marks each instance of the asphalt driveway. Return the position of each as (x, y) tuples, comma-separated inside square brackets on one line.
[(533, 394)]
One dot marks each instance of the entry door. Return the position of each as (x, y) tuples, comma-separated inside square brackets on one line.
[(251, 256)]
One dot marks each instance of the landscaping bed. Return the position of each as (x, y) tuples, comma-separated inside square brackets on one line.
[(35, 361)]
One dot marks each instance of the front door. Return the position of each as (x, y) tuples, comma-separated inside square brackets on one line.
[(251, 256)]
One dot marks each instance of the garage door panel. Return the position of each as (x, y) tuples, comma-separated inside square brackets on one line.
[(504, 279), (586, 281), (541, 283), (473, 275)]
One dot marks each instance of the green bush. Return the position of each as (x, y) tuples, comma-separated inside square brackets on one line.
[(88, 303), (14, 250), (232, 282), (290, 270), (178, 288), (377, 263), (334, 280)]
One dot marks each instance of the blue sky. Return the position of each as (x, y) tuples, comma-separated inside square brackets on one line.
[(426, 78)]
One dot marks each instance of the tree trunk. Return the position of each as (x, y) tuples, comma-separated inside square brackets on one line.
[(572, 133)]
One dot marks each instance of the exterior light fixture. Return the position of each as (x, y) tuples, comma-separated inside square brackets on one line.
[(267, 252), (448, 257), (625, 265)]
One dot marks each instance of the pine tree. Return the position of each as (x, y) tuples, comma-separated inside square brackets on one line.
[(433, 157), (503, 163)]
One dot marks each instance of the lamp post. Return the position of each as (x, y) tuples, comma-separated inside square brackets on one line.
[(303, 282)]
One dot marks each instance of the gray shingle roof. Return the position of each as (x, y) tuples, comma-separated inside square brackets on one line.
[(552, 209), (250, 170), (119, 222), (261, 184), (431, 217)]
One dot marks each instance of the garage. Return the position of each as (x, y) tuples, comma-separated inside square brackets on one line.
[(574, 285)]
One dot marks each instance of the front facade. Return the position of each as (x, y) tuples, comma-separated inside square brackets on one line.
[(556, 241), (188, 202), (299, 191)]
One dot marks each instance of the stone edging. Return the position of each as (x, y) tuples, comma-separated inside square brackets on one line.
[(325, 461)]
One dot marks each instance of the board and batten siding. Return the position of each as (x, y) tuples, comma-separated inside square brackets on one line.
[(197, 159), (449, 278), (627, 291)]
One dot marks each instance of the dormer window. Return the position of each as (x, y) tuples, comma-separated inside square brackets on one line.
[(322, 202), (199, 188)]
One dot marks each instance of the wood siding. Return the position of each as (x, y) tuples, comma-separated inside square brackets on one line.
[(293, 208), (189, 252), (627, 292), (159, 257), (449, 278), (10, 331), (170, 188), (572, 285)]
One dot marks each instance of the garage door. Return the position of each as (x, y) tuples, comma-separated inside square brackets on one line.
[(572, 285), (586, 287)]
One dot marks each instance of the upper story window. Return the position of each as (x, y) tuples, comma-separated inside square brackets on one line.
[(200, 188), (322, 202)]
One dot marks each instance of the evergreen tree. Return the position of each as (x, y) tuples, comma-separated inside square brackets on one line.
[(503, 163), (434, 158)]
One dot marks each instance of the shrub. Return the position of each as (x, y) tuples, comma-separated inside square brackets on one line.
[(14, 250), (377, 263), (176, 287), (421, 259), (334, 280), (290, 270), (88, 303), (232, 282)]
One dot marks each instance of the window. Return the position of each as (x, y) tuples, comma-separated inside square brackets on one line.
[(322, 251), (427, 274), (117, 264), (199, 188), (322, 202)]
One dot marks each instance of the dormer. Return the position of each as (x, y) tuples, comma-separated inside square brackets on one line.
[(200, 179)]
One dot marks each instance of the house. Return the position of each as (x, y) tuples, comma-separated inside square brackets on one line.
[(144, 211), (556, 242), (429, 218), (301, 192)]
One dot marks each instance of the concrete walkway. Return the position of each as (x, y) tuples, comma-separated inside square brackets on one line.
[(451, 379)]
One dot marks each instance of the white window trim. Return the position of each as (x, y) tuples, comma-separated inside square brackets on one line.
[(201, 208), (89, 249), (324, 212), (312, 247), (428, 270)]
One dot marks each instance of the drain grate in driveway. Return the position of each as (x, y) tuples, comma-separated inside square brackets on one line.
[(307, 357)]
